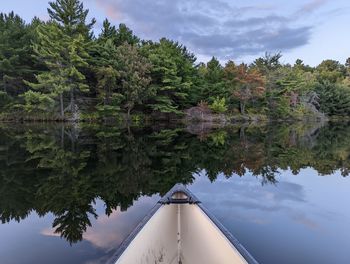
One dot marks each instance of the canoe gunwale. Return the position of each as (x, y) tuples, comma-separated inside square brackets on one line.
[(192, 199)]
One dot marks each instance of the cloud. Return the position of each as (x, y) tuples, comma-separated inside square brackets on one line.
[(244, 199), (111, 11), (216, 28), (49, 232), (108, 232), (311, 6)]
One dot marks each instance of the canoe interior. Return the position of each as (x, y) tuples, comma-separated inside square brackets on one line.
[(180, 233)]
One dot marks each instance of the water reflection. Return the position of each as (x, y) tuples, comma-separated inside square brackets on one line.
[(65, 170), (301, 219)]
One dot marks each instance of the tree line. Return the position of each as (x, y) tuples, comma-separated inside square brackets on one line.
[(59, 69)]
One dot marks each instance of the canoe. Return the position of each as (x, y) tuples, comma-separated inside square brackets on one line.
[(179, 230)]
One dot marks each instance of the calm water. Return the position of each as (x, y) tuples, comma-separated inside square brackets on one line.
[(72, 194)]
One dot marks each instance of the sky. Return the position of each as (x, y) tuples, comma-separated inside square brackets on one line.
[(239, 30)]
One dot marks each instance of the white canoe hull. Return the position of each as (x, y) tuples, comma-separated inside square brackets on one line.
[(181, 233)]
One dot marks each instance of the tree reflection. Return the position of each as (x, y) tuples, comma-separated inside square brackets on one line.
[(62, 169)]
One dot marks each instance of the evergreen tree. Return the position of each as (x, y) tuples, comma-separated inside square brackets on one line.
[(109, 32), (16, 61), (299, 65), (106, 69), (214, 85), (331, 71), (334, 98), (196, 95), (230, 76), (268, 63), (134, 80), (61, 59), (63, 56), (125, 35), (71, 16), (172, 74)]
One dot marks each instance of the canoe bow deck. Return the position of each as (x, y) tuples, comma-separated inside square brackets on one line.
[(179, 230)]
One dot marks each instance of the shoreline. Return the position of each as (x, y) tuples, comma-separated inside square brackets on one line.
[(219, 119)]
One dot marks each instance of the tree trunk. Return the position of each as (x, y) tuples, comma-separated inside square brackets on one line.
[(242, 107), (129, 111), (62, 136), (61, 106), (71, 100), (242, 136)]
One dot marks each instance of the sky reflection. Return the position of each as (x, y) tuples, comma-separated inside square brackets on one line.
[(301, 217), (293, 221), (280, 216)]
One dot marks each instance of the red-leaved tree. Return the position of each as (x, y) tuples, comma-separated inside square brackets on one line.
[(250, 85)]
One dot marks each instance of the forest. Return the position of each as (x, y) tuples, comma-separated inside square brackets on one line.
[(62, 70)]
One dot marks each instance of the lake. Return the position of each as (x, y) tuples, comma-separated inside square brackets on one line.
[(71, 194)]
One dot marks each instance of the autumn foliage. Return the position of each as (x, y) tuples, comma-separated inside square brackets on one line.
[(247, 84)]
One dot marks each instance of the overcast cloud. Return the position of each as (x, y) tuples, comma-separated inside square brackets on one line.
[(312, 30), (218, 27)]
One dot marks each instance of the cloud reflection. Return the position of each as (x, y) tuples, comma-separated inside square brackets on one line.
[(108, 232), (245, 199)]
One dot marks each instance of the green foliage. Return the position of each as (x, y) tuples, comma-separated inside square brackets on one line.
[(107, 74), (133, 71), (219, 137), (299, 65), (117, 73), (108, 32), (270, 62), (37, 102), (16, 61), (330, 70), (49, 169), (118, 36), (112, 108), (213, 83), (125, 35), (5, 99), (63, 56), (287, 91), (219, 105), (334, 98), (171, 75), (122, 77), (71, 17)]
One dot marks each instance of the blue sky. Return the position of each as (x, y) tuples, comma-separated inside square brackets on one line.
[(312, 30)]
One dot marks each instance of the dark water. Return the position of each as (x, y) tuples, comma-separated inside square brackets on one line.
[(72, 194)]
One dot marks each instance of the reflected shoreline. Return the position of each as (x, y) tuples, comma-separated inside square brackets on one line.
[(63, 169)]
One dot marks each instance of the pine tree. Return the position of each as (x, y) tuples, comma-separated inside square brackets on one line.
[(268, 63), (16, 61), (71, 16), (125, 35), (106, 70), (214, 81), (109, 32), (334, 99), (122, 78), (63, 56), (171, 73)]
